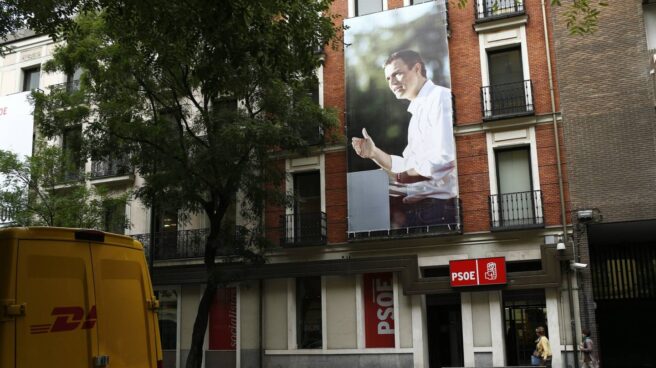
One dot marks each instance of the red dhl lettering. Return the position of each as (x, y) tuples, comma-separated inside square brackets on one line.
[(68, 319)]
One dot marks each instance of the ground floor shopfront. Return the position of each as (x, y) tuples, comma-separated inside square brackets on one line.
[(386, 311)]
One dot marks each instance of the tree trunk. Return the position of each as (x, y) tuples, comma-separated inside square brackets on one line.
[(195, 358)]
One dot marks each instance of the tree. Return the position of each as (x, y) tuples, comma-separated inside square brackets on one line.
[(39, 192), (200, 95)]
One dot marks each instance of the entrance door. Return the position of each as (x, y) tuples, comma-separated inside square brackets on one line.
[(444, 322), (524, 311)]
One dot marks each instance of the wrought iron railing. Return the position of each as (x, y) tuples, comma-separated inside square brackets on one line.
[(516, 210), (303, 229), (110, 167), (492, 9), (6, 214), (509, 99), (174, 244)]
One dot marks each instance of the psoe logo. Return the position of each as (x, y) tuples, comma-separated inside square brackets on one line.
[(67, 319), (491, 273)]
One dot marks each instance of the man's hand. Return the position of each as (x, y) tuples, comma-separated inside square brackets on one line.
[(364, 147)]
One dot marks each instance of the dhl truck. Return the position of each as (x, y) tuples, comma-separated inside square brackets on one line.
[(75, 298)]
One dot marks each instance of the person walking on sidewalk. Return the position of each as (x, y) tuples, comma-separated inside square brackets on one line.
[(542, 348)]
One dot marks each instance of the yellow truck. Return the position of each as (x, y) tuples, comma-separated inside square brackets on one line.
[(75, 298)]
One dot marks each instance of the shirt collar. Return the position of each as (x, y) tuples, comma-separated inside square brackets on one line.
[(421, 96)]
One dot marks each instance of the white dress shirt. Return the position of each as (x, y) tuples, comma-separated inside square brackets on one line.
[(431, 146)]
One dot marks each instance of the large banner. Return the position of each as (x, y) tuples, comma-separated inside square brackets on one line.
[(402, 159), (16, 129), (378, 300)]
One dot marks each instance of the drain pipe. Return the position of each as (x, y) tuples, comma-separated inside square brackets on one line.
[(563, 213)]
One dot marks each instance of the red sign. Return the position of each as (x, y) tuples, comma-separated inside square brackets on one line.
[(223, 320), (68, 319), (475, 272), (378, 301)]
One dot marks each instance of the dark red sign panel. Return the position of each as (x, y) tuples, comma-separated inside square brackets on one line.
[(475, 272), (378, 301), (223, 320)]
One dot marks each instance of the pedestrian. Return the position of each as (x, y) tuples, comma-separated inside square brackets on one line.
[(587, 348), (542, 348)]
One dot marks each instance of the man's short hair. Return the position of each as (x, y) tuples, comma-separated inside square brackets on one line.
[(409, 57)]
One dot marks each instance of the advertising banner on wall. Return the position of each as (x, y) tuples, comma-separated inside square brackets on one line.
[(378, 300), (16, 129), (402, 159), (223, 320)]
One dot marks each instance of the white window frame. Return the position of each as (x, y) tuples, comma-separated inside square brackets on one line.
[(499, 40), (524, 137), (292, 337)]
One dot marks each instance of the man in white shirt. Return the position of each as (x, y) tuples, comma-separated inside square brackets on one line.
[(427, 170)]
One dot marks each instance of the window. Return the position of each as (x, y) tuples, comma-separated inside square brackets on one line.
[(166, 233), (308, 313), (168, 325), (515, 202), (363, 7), (649, 13), (31, 78), (73, 81), (114, 216), (507, 93), (72, 153), (307, 207), (414, 2)]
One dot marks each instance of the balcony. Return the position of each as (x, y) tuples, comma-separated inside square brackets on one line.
[(70, 86), (507, 100), (487, 10), (6, 215), (171, 245), (303, 229), (111, 167), (512, 211)]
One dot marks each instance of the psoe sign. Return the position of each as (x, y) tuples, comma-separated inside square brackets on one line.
[(475, 272)]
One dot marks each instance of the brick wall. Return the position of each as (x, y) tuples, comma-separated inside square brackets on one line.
[(608, 113)]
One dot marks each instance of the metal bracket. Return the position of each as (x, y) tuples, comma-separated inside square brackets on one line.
[(153, 304), (11, 309)]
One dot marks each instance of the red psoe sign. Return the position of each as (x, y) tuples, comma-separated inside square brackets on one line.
[(476, 272), (378, 290)]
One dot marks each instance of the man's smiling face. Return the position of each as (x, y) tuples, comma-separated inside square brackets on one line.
[(405, 82)]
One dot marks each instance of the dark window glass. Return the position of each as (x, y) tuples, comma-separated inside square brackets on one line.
[(72, 151), (308, 313), (168, 321), (31, 78), (73, 81), (515, 199), (114, 221), (307, 206)]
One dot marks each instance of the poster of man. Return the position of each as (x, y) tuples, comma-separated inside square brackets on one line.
[(402, 157)]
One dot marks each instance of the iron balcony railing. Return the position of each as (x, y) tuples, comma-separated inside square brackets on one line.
[(516, 210), (174, 244), (493, 9), (303, 229), (110, 167), (70, 86), (506, 100), (6, 214)]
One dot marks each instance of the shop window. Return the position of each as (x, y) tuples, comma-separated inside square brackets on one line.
[(308, 313), (363, 7), (31, 78), (168, 325)]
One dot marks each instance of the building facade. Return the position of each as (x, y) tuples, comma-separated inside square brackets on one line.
[(333, 293), (612, 172)]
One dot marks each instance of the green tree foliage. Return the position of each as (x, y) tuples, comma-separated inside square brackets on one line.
[(41, 192), (200, 95)]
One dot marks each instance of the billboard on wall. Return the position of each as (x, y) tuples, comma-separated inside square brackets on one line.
[(401, 159), (16, 129)]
